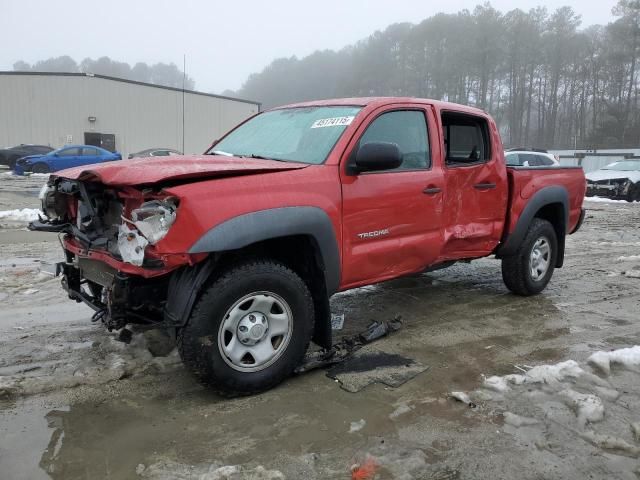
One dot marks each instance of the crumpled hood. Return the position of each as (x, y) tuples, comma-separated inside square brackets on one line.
[(143, 171), (598, 175)]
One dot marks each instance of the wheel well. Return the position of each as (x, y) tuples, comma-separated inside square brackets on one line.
[(554, 213), (301, 254)]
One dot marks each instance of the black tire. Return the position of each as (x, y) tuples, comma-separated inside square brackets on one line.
[(40, 168), (198, 341), (516, 269), (634, 193)]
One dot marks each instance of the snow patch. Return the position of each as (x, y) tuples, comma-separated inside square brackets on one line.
[(628, 358), (627, 258), (357, 426), (501, 384), (400, 410), (604, 200), (588, 408), (553, 374), (518, 421), (461, 397), (609, 442), (20, 215)]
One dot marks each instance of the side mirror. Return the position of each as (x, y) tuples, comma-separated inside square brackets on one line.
[(376, 156)]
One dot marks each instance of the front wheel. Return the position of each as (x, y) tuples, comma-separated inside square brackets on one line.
[(529, 270), (40, 168), (250, 329)]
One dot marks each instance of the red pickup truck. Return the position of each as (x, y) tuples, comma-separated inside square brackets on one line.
[(237, 251)]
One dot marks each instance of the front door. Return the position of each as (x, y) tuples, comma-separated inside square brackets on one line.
[(392, 219)]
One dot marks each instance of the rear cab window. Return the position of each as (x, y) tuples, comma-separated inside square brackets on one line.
[(466, 139)]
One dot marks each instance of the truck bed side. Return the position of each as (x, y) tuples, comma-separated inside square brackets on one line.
[(553, 193)]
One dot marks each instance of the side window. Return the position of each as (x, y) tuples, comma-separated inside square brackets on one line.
[(512, 159), (160, 153), (69, 152), (90, 152), (466, 139), (546, 161), (408, 130)]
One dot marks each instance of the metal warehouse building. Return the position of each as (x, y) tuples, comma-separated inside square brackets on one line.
[(57, 109)]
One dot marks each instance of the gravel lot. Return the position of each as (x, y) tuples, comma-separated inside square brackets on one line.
[(76, 404)]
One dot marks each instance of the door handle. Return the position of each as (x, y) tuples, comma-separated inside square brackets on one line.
[(432, 190), (484, 186)]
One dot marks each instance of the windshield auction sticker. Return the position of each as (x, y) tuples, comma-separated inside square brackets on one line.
[(332, 122)]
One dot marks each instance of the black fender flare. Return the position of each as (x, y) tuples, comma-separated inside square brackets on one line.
[(545, 196), (244, 230)]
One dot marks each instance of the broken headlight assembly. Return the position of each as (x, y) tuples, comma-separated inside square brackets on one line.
[(153, 219)]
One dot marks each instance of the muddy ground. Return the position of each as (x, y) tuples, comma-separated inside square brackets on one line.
[(76, 404)]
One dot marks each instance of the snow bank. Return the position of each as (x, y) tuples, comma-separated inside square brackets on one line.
[(628, 258), (604, 200), (628, 358), (20, 215), (170, 470)]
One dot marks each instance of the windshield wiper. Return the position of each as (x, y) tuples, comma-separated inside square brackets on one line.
[(262, 157), (220, 152)]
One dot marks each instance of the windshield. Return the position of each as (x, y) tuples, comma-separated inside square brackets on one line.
[(627, 166), (305, 135)]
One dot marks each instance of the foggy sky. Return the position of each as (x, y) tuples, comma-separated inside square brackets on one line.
[(224, 41)]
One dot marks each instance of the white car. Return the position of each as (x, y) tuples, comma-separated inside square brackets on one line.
[(620, 180), (521, 157)]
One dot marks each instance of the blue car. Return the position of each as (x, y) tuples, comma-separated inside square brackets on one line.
[(65, 157)]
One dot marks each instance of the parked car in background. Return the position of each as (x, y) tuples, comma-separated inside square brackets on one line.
[(155, 152), (619, 180), (9, 156), (530, 157), (65, 157)]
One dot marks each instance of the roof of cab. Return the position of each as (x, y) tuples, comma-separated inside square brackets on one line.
[(381, 101)]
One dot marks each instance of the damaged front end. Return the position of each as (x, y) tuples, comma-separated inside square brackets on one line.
[(110, 236), (614, 188)]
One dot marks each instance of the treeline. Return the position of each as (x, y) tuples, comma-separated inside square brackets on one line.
[(547, 82), (167, 74)]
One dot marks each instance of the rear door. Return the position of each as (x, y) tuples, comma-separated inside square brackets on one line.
[(67, 158), (91, 155), (476, 191), (392, 219)]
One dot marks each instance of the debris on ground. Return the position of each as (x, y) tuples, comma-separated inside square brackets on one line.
[(366, 471), (337, 321), (342, 350), (365, 368)]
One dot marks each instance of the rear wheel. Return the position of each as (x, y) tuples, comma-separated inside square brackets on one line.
[(250, 329), (40, 168), (529, 270)]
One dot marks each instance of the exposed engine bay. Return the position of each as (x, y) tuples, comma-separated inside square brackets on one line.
[(97, 223)]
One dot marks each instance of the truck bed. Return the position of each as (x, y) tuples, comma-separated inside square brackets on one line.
[(525, 182)]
